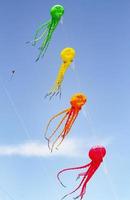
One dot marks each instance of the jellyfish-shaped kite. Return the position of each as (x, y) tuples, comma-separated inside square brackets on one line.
[(67, 56), (70, 115), (47, 29), (96, 155)]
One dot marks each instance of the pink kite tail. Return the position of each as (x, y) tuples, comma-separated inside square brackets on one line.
[(68, 169)]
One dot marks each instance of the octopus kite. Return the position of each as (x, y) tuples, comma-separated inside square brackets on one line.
[(47, 29), (67, 56), (96, 154), (70, 115)]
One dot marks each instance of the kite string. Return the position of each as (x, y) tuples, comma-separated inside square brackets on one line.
[(7, 193), (15, 109), (89, 118), (18, 116), (86, 113), (109, 180), (21, 121), (65, 32)]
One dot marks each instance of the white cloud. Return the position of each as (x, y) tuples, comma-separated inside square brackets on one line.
[(37, 149), (70, 148)]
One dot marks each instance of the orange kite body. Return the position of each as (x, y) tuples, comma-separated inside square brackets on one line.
[(70, 115)]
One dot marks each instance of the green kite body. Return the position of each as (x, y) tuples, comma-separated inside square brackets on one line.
[(47, 29)]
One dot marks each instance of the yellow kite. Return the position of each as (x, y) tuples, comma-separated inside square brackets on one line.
[(67, 56)]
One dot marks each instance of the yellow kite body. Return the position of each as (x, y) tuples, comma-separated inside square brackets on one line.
[(67, 56)]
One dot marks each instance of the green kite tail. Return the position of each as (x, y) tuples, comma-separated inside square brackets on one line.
[(47, 29)]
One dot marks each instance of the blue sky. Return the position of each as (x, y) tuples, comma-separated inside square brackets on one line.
[(100, 33)]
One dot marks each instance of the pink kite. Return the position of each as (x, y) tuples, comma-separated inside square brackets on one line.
[(96, 155)]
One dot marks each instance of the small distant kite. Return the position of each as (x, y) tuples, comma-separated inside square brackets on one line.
[(70, 115), (67, 56), (47, 29), (96, 154), (12, 74)]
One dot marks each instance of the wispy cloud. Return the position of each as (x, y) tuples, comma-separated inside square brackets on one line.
[(37, 149), (70, 148)]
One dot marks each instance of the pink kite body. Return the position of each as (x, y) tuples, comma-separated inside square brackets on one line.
[(96, 155)]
